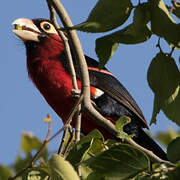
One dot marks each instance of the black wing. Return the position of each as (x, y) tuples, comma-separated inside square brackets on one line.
[(106, 82), (111, 86)]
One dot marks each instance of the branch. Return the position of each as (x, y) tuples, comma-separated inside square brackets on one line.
[(70, 63), (152, 156), (68, 145), (66, 44), (79, 55), (63, 139), (78, 52), (69, 117), (78, 124)]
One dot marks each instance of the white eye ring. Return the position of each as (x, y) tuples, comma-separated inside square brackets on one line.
[(48, 27)]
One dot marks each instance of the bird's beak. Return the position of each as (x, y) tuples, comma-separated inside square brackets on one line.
[(26, 30)]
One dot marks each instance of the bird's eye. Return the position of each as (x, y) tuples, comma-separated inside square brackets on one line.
[(46, 26)]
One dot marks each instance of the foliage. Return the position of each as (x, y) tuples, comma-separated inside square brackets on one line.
[(93, 156), (164, 78), (96, 158), (163, 74), (166, 137)]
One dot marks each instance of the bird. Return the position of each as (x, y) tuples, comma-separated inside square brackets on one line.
[(48, 69)]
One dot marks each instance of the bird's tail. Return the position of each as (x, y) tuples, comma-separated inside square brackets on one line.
[(145, 141)]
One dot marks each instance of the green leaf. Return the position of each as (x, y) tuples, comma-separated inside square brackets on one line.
[(68, 137), (156, 109), (29, 143), (77, 153), (44, 166), (21, 163), (5, 172), (35, 174), (137, 32), (90, 144), (166, 137), (162, 23), (163, 75), (105, 49), (62, 169), (111, 142), (147, 177), (97, 145), (122, 161), (85, 171), (120, 123), (172, 109), (88, 174), (173, 150), (106, 15), (174, 174), (141, 14), (164, 79), (97, 176)]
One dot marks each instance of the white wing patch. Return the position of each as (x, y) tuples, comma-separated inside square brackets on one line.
[(98, 93)]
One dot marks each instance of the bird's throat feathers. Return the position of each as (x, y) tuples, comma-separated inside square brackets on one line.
[(43, 61), (49, 47)]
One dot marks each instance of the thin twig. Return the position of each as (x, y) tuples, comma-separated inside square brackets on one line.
[(61, 147), (78, 132), (36, 156), (71, 132), (74, 110), (172, 50), (78, 124), (152, 156), (57, 133), (69, 117), (66, 44)]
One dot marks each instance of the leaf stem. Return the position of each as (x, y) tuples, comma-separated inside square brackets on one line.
[(158, 45), (172, 50)]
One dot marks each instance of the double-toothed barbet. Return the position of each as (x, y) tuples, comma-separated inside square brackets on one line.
[(48, 69)]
